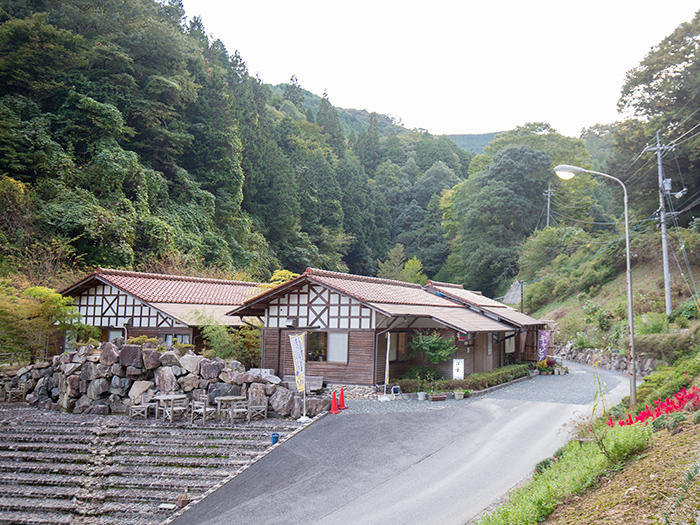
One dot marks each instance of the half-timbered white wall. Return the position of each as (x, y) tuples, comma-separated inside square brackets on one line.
[(314, 305), (106, 306)]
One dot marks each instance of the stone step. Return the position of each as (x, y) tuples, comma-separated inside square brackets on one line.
[(34, 518), (38, 505), (54, 480)]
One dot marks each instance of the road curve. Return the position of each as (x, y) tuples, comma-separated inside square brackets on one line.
[(408, 461)]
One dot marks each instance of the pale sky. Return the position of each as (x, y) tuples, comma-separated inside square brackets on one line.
[(451, 67)]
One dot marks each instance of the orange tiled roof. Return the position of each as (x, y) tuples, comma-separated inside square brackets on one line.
[(160, 288), (376, 290)]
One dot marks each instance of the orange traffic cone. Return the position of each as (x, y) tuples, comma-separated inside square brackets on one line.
[(341, 401), (334, 405)]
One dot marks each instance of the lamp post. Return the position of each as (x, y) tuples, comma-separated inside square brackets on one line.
[(566, 172)]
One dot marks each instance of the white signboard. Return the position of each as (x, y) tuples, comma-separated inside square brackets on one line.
[(458, 369)]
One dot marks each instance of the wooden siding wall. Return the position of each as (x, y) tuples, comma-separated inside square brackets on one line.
[(357, 371)]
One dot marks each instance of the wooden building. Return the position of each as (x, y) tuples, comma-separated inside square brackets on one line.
[(351, 322), (520, 344), (167, 307)]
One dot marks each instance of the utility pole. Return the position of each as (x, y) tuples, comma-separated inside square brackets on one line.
[(664, 190), (549, 194)]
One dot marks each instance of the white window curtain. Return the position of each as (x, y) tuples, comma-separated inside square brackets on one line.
[(338, 347)]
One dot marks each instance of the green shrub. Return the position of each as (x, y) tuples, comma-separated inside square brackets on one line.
[(651, 323), (434, 347), (472, 382), (687, 310), (622, 442), (421, 372), (696, 417)]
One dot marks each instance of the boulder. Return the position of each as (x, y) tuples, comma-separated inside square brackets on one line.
[(120, 386), (66, 357), (190, 362), (189, 382), (236, 365), (117, 370), (131, 355), (165, 379), (109, 354), (73, 386), (92, 371), (133, 372), (97, 388), (178, 370), (270, 389), (210, 369), (151, 358), (297, 407), (228, 376), (257, 395), (271, 378), (169, 358), (81, 405), (138, 388), (248, 378), (66, 402), (70, 368), (281, 401), (317, 405), (223, 389)]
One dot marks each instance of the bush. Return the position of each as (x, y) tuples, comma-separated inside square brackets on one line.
[(622, 442), (473, 382), (421, 372), (688, 310), (435, 348), (650, 323)]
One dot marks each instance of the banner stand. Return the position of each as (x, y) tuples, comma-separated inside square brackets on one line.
[(298, 352)]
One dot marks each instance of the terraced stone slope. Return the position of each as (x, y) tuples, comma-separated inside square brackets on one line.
[(58, 468)]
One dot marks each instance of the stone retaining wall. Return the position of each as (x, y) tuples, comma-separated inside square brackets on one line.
[(111, 378), (608, 361)]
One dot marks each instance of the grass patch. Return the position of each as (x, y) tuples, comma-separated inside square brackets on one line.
[(578, 466)]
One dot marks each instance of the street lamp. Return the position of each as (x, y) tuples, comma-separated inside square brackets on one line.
[(566, 172)]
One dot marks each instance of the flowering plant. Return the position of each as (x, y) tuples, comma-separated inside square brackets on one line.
[(672, 404)]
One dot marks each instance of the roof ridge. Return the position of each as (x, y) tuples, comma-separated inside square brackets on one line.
[(130, 273), (445, 285), (360, 278)]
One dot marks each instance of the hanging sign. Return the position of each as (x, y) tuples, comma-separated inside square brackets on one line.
[(298, 347)]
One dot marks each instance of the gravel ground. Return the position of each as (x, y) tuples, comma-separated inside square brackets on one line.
[(578, 389)]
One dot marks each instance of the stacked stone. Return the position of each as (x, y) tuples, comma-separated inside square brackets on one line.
[(352, 391), (607, 360), (112, 378)]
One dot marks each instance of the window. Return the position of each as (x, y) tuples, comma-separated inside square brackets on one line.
[(398, 350), (178, 338), (331, 347)]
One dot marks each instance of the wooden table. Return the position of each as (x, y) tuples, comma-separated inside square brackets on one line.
[(227, 403), (167, 399)]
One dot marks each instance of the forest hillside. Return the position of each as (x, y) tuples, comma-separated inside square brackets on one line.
[(131, 138)]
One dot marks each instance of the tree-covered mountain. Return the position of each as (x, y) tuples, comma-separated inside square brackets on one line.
[(131, 138)]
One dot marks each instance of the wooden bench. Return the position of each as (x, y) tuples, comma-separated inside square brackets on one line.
[(313, 383)]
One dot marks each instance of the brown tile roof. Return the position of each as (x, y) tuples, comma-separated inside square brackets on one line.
[(457, 291), (376, 290), (159, 288)]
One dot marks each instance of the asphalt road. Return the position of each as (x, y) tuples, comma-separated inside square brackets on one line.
[(441, 464)]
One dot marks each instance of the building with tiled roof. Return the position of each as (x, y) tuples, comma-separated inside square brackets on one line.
[(169, 307), (355, 325)]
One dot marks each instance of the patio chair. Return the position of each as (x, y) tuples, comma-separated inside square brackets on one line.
[(177, 407), (200, 408), (16, 394), (142, 409), (257, 410), (238, 409)]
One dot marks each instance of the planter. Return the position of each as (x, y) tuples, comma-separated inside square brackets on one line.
[(421, 396), (437, 397), (459, 395)]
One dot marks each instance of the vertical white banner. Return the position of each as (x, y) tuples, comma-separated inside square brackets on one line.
[(458, 369), (298, 351)]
